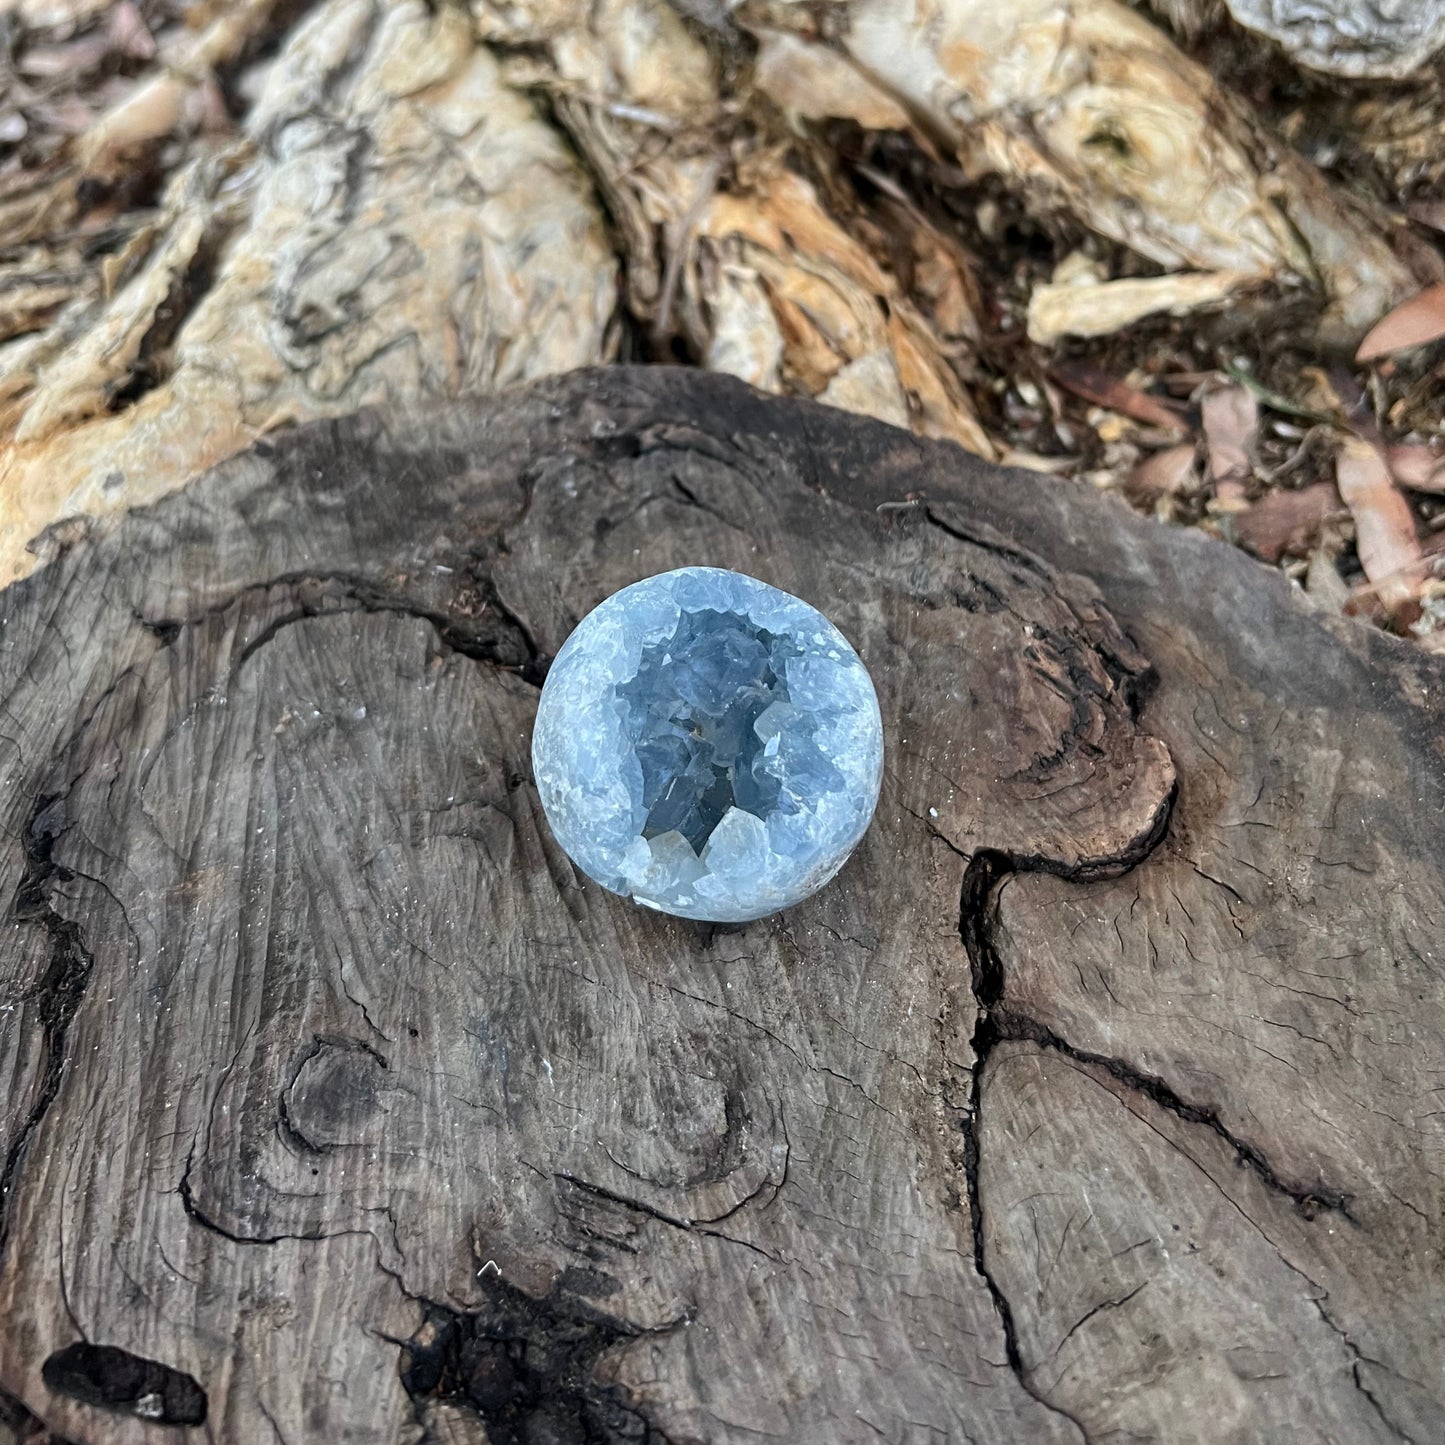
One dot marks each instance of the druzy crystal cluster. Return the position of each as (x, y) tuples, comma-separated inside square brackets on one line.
[(708, 745)]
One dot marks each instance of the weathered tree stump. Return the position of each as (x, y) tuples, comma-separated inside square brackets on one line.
[(1098, 1099)]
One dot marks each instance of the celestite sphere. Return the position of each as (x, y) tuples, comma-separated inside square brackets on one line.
[(708, 746)]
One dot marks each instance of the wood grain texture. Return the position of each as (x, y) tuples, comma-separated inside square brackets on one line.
[(1095, 1101)]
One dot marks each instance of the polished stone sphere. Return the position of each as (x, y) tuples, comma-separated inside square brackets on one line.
[(708, 745)]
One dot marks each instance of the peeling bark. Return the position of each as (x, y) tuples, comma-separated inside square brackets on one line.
[(397, 222), (420, 201), (1377, 38)]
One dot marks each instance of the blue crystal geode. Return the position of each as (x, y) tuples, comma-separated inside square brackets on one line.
[(708, 745)]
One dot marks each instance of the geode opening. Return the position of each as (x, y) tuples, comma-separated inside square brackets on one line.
[(709, 745), (707, 713)]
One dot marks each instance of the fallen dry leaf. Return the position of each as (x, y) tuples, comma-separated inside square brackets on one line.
[(1323, 583), (1385, 534), (1286, 521), (1420, 468), (1102, 389), (1164, 474), (1231, 427), (1415, 322), (1427, 213), (129, 33), (68, 58)]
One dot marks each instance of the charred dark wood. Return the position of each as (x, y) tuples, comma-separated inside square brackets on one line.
[(1097, 1100)]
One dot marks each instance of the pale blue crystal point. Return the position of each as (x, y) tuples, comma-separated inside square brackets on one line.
[(708, 746)]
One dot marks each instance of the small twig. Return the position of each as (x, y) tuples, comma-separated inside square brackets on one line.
[(673, 274), (1279, 403), (639, 113)]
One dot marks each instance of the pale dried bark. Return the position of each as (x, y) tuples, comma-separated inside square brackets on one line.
[(52, 12), (838, 321), (764, 277), (1092, 108), (1103, 308), (396, 222)]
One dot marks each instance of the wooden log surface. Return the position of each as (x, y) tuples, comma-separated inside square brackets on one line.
[(1097, 1100)]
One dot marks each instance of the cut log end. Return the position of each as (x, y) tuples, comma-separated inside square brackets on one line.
[(1093, 1097)]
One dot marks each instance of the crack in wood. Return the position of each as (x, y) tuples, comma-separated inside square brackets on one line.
[(694, 1226), (24, 1425), (983, 878), (524, 1365), (527, 1366), (511, 648), (985, 874), (60, 989), (985, 871), (199, 1217), (1357, 1358)]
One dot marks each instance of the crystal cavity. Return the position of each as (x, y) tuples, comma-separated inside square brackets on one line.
[(708, 745)]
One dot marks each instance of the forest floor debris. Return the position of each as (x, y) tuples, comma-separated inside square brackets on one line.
[(782, 202)]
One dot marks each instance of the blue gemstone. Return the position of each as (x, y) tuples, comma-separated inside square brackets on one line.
[(708, 745)]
